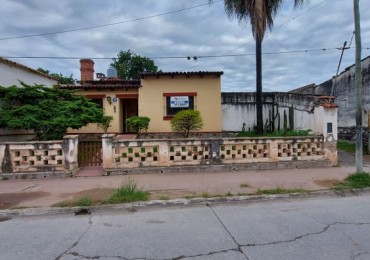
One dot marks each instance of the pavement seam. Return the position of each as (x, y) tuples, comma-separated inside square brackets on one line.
[(239, 249)]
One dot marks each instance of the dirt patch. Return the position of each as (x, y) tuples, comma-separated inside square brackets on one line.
[(327, 183), (10, 200), (98, 194)]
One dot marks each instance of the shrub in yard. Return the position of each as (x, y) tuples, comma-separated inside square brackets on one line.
[(104, 124), (185, 121), (128, 192), (49, 112), (139, 123)]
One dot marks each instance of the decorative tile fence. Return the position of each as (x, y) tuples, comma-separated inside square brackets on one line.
[(40, 157), (124, 154)]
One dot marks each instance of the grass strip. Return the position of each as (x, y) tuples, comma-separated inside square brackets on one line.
[(279, 190), (354, 181)]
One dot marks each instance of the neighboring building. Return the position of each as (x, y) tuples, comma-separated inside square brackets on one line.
[(343, 88), (12, 73), (157, 95)]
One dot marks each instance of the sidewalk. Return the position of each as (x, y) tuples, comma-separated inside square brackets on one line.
[(47, 192)]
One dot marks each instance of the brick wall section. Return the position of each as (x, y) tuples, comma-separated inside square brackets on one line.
[(47, 156)]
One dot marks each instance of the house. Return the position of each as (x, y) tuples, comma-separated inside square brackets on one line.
[(156, 95), (13, 72)]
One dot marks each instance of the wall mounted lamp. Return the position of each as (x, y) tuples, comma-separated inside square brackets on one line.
[(109, 99)]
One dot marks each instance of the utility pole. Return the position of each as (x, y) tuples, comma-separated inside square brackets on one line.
[(358, 85)]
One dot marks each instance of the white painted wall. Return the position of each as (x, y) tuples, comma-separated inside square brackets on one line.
[(11, 75), (322, 117), (234, 115)]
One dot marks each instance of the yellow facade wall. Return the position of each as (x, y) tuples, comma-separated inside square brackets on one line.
[(114, 109), (152, 103)]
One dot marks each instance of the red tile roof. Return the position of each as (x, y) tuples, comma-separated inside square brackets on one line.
[(179, 73), (24, 67), (104, 84)]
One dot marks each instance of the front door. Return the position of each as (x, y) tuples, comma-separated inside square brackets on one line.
[(130, 108)]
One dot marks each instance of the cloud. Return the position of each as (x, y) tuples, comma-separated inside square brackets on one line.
[(202, 31)]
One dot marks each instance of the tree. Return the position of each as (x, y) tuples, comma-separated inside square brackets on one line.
[(358, 84), (260, 14), (58, 76), (129, 65), (139, 123), (185, 121), (49, 112)]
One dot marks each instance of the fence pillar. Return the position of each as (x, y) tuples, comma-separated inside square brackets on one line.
[(326, 124), (107, 146), (215, 151), (70, 152)]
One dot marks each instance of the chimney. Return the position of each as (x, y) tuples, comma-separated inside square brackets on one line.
[(87, 69)]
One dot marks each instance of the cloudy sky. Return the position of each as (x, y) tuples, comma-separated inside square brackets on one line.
[(161, 29)]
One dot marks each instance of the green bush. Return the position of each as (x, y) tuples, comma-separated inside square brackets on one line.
[(104, 124), (185, 121), (276, 133), (49, 112), (128, 192), (139, 123)]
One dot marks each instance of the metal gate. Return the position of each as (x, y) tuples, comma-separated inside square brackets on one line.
[(90, 153)]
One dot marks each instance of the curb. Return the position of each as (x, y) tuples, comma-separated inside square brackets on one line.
[(130, 207)]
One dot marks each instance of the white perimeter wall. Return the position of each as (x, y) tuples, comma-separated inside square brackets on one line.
[(234, 115)]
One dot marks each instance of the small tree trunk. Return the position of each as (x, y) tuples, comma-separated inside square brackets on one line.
[(358, 85), (259, 107)]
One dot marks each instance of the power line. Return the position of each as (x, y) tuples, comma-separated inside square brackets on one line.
[(108, 24), (276, 28), (186, 57)]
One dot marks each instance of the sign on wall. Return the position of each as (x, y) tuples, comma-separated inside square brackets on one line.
[(181, 101)]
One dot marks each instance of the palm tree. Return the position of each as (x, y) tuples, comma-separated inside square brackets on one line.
[(260, 14)]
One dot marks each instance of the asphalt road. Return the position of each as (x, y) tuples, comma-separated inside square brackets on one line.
[(316, 228)]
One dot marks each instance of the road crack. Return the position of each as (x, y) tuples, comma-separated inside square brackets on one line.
[(78, 240), (125, 258), (239, 248), (290, 240), (327, 226)]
